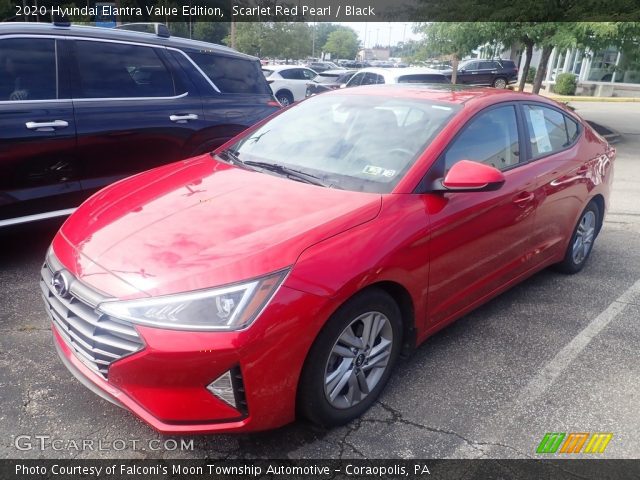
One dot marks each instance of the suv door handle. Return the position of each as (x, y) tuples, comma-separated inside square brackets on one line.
[(46, 126), (524, 198), (183, 118)]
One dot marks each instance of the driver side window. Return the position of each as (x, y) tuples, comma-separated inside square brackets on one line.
[(490, 138)]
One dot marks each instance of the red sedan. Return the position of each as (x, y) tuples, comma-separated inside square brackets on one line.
[(286, 272)]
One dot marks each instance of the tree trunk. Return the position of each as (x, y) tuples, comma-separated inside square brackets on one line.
[(454, 68), (233, 34), (527, 64), (542, 68)]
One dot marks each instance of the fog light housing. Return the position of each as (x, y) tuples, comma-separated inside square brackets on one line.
[(229, 388)]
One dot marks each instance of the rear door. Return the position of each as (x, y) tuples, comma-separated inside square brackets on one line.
[(38, 164), (566, 169), (487, 70), (133, 113), (234, 93), (480, 241)]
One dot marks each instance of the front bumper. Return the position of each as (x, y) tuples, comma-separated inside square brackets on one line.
[(165, 381)]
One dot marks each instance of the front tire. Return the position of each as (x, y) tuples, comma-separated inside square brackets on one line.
[(581, 243), (351, 360)]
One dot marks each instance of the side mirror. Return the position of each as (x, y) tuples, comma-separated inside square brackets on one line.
[(343, 85), (468, 176)]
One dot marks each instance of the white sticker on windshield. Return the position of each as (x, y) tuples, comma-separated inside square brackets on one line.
[(378, 171)]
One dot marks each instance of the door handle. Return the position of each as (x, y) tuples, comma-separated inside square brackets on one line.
[(46, 126), (183, 118), (524, 198)]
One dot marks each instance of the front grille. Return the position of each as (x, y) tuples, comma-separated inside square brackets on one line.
[(97, 339)]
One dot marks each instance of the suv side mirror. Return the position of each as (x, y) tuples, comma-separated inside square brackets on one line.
[(468, 176)]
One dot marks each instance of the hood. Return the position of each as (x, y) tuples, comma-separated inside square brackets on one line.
[(200, 224)]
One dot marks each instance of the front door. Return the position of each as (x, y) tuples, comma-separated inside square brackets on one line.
[(480, 241), (38, 164)]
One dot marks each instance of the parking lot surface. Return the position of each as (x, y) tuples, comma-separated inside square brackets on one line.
[(554, 354)]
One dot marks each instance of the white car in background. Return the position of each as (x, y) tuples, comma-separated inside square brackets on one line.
[(377, 76), (288, 82)]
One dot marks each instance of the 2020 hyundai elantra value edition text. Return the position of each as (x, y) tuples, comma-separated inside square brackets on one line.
[(284, 273)]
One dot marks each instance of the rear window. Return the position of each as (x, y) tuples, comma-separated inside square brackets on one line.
[(231, 74), (118, 70), (326, 78), (423, 78)]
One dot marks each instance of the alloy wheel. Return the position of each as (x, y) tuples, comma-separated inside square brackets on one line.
[(583, 239), (358, 360), (500, 83)]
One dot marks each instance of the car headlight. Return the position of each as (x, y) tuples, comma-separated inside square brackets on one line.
[(232, 307)]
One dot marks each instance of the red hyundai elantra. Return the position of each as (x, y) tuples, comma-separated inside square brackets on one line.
[(286, 272)]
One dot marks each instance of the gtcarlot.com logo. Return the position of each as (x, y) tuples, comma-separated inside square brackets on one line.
[(573, 442)]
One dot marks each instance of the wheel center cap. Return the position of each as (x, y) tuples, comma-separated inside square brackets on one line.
[(360, 360)]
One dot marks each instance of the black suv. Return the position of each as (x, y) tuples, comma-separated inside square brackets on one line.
[(81, 107), (496, 73)]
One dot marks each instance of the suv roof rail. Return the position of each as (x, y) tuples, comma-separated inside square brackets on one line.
[(160, 29)]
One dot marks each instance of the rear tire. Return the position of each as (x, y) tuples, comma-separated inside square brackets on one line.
[(581, 243), (500, 83), (351, 359), (284, 98)]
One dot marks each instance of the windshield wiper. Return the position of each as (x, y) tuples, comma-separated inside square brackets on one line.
[(231, 156), (290, 172)]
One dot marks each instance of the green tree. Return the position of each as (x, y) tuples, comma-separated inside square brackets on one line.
[(342, 43), (322, 31), (213, 32)]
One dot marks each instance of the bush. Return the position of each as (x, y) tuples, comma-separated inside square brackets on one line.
[(565, 84), (531, 74)]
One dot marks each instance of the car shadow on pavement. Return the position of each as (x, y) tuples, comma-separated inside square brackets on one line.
[(22, 244)]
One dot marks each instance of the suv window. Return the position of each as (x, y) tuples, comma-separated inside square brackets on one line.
[(489, 65), (471, 66), (292, 74), (356, 80), (491, 138), (548, 130), (372, 79), (28, 69), (114, 70), (230, 74), (308, 74)]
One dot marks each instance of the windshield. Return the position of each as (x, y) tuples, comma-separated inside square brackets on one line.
[(354, 142)]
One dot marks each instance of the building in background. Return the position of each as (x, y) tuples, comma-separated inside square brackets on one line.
[(368, 54)]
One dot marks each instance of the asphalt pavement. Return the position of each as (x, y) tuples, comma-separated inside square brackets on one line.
[(554, 354)]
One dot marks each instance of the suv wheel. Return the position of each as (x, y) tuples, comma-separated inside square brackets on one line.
[(285, 98), (499, 83)]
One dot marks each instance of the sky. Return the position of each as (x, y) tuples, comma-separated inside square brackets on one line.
[(382, 33)]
